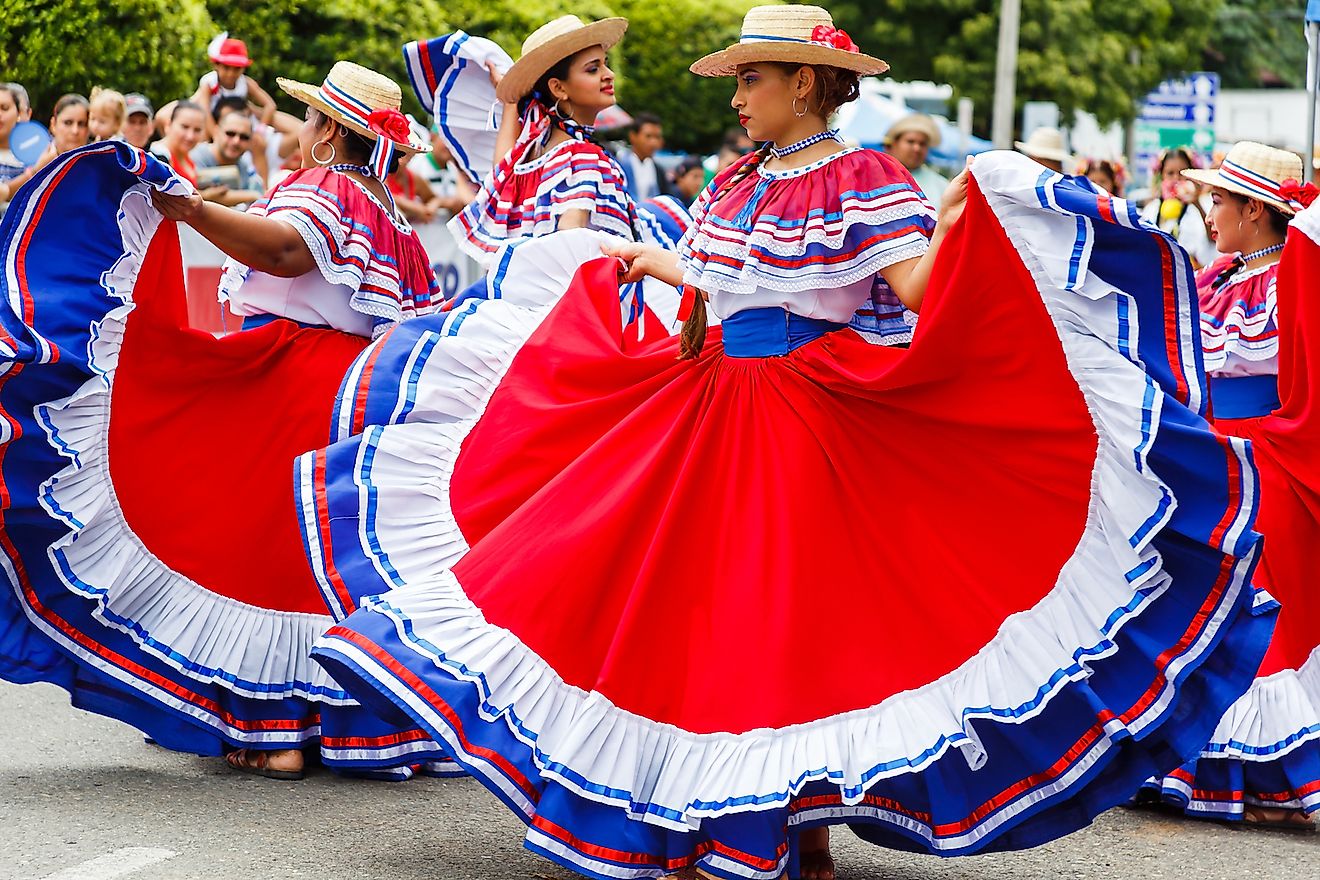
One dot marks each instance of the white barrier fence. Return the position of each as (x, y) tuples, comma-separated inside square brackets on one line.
[(202, 262)]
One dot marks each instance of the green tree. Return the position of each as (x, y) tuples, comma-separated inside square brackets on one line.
[(58, 46), (301, 39), (656, 57), (509, 22), (1259, 42), (1094, 55)]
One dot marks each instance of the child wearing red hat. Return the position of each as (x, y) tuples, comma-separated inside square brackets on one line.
[(229, 58)]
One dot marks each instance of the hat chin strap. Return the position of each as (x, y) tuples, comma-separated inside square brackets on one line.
[(381, 156)]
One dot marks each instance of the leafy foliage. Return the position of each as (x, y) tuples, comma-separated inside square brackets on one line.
[(58, 46), (1082, 54), (1097, 55), (656, 57), (1259, 42), (300, 39)]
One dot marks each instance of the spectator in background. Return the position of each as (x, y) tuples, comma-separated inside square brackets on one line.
[(447, 181), (138, 115), (186, 129), (225, 164), (1045, 145), (1178, 207), (909, 140), (68, 125), (13, 172), (735, 145), (412, 194), (106, 114), (228, 79), (274, 133), (689, 179), (1109, 176), (291, 164), (646, 137), (20, 95)]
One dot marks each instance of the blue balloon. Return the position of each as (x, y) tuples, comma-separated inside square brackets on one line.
[(28, 141)]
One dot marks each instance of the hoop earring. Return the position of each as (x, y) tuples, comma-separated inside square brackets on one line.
[(317, 159), (805, 107), (560, 113)]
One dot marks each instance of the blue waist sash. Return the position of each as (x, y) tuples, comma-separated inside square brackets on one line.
[(1243, 397), (252, 322), (770, 332)]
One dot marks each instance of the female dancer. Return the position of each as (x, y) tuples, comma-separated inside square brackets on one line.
[(547, 173), (1262, 765), (176, 595), (651, 531)]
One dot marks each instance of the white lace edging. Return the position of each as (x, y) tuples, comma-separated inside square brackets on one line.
[(1278, 714), (406, 527), (750, 276), (1113, 575), (257, 652)]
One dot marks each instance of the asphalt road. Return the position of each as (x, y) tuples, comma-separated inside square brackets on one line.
[(83, 798)]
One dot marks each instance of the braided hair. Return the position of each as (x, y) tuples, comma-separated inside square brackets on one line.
[(692, 338)]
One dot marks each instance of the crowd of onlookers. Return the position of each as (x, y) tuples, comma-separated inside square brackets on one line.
[(231, 141), (228, 138)]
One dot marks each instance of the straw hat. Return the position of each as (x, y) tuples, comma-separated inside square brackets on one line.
[(793, 34), (348, 96), (1255, 171), (551, 43), (1045, 143), (918, 122)]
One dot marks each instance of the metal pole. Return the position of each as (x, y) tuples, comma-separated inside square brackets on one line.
[(1130, 130), (1010, 13), (1312, 75), (965, 125)]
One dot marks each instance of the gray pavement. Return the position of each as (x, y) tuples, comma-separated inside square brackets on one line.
[(83, 798)]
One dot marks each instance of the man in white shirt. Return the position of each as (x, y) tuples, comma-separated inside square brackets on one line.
[(646, 137)]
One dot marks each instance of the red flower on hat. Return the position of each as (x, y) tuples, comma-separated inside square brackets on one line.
[(833, 37), (1301, 193), (390, 124)]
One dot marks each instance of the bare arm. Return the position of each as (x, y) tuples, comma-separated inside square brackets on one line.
[(424, 191), (266, 245), (263, 103), (909, 278), (232, 198), (10, 188), (510, 125), (508, 134)]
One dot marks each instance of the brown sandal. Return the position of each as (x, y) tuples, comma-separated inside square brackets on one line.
[(257, 762), (1267, 818)]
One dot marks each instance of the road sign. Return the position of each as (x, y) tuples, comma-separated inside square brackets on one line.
[(1178, 113)]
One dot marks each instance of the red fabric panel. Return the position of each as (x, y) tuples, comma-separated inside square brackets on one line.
[(203, 436), (856, 518), (1287, 451), (205, 312)]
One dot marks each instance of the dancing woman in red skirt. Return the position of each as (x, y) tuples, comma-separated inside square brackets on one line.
[(1262, 764), (679, 601)]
